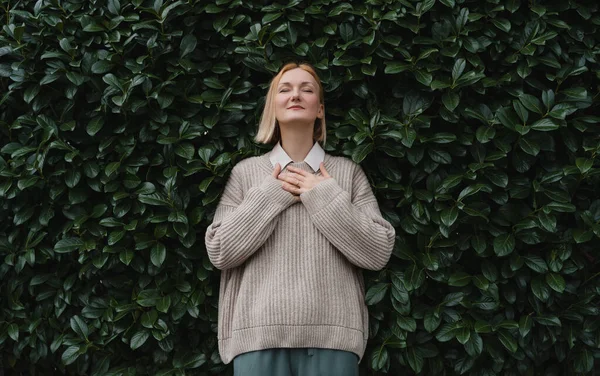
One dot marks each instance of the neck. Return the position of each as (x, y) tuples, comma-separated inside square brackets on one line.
[(296, 142)]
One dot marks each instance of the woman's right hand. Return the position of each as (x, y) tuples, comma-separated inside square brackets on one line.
[(276, 173)]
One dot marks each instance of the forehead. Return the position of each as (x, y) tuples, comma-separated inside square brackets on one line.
[(297, 76)]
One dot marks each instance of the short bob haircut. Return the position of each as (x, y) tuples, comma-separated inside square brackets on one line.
[(268, 127)]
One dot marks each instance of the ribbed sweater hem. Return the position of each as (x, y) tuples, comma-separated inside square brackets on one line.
[(292, 336)]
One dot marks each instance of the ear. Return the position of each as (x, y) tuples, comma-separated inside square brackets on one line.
[(321, 112)]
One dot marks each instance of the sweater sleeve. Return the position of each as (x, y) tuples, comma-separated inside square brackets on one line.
[(242, 223), (352, 223)]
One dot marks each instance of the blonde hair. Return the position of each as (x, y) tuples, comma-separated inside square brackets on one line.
[(268, 127)]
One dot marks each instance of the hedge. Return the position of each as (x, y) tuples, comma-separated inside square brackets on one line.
[(476, 121)]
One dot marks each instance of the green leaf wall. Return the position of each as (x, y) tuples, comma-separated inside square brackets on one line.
[(476, 121)]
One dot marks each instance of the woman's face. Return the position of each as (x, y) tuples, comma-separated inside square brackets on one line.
[(297, 98)]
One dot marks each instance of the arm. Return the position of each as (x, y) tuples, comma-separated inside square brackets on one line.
[(353, 224), (241, 226)]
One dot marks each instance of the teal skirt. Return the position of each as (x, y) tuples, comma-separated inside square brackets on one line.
[(296, 362)]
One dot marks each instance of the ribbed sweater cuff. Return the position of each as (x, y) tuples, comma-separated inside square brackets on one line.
[(321, 195), (272, 189)]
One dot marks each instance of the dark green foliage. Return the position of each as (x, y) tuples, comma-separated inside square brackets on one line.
[(476, 120)]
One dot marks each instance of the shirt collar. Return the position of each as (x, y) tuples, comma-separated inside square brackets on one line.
[(315, 156)]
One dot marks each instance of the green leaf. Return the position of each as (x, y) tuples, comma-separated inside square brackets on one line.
[(190, 361), (449, 216), (529, 146), (413, 277), (187, 45), (498, 178), (584, 362), (482, 327), (94, 125), (463, 335), (70, 355), (548, 320), (525, 325), (79, 326), (474, 346), (430, 261), (68, 245), (560, 207), (446, 332), (163, 304), (489, 270), (111, 168), (158, 254), (504, 244), (501, 23), (361, 152), (101, 67), (407, 323), (113, 81), (153, 199), (540, 289), (584, 164), (507, 340), (31, 93), (439, 156), (507, 117), (379, 357), (376, 293), (30, 181), (126, 256), (481, 282), (394, 67), (414, 104), (532, 103), (415, 359), (13, 332), (536, 263), (431, 322), (148, 298), (139, 338), (423, 77), (556, 282), (459, 279), (450, 100), (485, 134), (458, 69), (346, 31), (72, 178), (409, 135), (582, 236), (149, 318), (545, 125)]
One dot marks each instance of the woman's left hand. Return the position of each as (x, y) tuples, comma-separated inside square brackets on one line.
[(298, 181)]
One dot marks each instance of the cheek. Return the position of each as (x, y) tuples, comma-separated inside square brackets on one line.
[(314, 101), (280, 101)]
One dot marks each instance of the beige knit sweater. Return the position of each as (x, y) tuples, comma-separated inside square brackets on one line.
[(291, 271)]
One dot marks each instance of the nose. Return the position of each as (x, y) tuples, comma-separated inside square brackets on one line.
[(295, 94)]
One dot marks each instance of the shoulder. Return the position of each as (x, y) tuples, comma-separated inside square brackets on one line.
[(345, 165), (249, 167), (248, 164)]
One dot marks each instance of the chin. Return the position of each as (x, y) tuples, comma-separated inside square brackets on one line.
[(297, 121)]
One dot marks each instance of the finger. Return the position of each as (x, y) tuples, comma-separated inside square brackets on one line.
[(291, 188), (276, 170), (324, 171), (293, 176), (297, 170)]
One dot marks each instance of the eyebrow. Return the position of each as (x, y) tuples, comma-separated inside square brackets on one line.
[(303, 83)]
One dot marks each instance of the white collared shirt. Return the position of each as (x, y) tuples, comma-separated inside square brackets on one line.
[(315, 156)]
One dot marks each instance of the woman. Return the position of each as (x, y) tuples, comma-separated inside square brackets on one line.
[(290, 234)]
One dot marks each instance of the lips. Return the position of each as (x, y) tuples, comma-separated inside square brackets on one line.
[(295, 107)]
